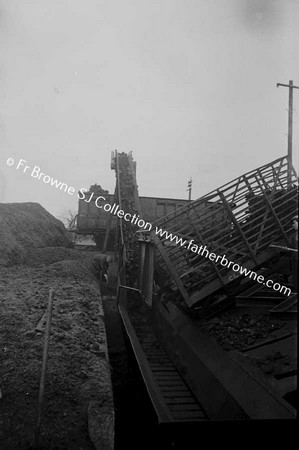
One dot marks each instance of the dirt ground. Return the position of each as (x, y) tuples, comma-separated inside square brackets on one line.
[(78, 403)]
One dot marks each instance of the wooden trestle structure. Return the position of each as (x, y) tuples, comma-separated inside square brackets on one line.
[(239, 220)]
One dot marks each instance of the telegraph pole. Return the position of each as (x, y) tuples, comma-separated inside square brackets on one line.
[(290, 125), (189, 188)]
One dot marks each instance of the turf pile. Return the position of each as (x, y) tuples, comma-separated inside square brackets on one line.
[(26, 226)]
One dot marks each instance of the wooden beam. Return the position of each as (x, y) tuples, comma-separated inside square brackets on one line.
[(273, 212), (237, 225), (170, 267)]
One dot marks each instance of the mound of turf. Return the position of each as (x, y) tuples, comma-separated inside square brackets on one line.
[(26, 226)]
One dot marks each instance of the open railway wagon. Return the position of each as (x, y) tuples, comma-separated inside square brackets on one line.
[(189, 378), (231, 228)]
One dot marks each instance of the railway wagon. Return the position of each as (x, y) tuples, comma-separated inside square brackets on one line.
[(93, 219)]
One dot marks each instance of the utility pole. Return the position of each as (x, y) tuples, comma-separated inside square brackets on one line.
[(290, 126), (189, 188)]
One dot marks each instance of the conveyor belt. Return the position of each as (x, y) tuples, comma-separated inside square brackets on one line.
[(171, 398), (176, 395)]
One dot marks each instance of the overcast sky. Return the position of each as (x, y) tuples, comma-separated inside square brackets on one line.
[(189, 86)]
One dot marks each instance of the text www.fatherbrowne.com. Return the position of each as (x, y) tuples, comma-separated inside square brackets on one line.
[(114, 209), (203, 251)]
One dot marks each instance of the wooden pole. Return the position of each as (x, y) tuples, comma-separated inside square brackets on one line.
[(290, 122), (290, 127), (44, 370), (189, 189)]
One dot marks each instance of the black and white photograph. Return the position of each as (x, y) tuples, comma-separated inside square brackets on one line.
[(148, 223)]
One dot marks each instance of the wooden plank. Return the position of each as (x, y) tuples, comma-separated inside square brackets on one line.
[(236, 189), (181, 401), (192, 416), (177, 394), (267, 208), (274, 214), (202, 242), (168, 382), (184, 408), (237, 225), (288, 303), (171, 268), (170, 389), (168, 377)]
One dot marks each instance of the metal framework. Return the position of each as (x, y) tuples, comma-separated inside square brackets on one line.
[(238, 221)]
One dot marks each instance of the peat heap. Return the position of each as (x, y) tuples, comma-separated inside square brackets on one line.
[(27, 226)]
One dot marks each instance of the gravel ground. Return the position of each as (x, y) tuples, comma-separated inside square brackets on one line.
[(78, 395)]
